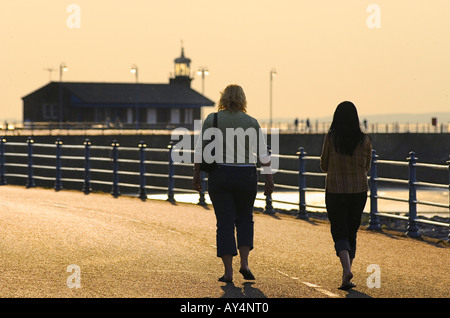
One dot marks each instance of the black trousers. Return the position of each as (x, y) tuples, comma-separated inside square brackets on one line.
[(233, 191), (344, 212)]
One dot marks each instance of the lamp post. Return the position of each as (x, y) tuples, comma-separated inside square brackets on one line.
[(203, 71), (49, 70), (62, 68), (272, 73), (134, 70)]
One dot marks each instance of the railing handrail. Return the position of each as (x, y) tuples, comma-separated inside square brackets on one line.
[(315, 126), (113, 157)]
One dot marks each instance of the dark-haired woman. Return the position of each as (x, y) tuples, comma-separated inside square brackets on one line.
[(346, 157)]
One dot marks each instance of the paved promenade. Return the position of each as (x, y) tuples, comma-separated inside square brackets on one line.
[(67, 244)]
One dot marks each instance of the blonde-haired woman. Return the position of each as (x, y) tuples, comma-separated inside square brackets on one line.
[(232, 185)]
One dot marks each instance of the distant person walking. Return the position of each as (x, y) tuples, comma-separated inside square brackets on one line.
[(232, 185), (346, 158)]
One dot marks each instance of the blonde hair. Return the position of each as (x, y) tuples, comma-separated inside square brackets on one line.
[(233, 99)]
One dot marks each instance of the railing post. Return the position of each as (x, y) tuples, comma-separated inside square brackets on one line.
[(30, 181), (87, 167), (201, 199), (374, 221), (115, 159), (142, 193), (170, 196), (269, 206), (302, 214), (58, 185), (448, 162), (413, 228), (2, 161)]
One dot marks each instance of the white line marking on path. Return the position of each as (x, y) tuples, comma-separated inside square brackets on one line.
[(328, 293), (316, 287)]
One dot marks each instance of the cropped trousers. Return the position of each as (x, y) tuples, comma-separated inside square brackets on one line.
[(344, 213), (233, 191)]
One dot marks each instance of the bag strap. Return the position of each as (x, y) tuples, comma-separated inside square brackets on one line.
[(213, 136), (215, 120)]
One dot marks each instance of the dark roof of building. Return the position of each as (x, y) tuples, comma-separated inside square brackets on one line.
[(173, 94), (182, 58)]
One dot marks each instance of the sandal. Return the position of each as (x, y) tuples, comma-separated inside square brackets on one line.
[(225, 280), (347, 286), (247, 274)]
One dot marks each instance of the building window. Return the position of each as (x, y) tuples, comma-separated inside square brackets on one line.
[(181, 69), (174, 116), (130, 115), (50, 111), (189, 116), (151, 116)]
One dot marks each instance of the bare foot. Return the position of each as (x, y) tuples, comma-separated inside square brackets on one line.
[(346, 278), (346, 282)]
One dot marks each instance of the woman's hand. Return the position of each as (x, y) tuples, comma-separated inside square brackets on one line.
[(197, 180), (267, 171), (269, 185)]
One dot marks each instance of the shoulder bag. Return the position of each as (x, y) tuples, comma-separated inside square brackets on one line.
[(208, 167)]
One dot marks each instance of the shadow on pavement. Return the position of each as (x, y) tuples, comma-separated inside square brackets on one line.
[(352, 293), (247, 291)]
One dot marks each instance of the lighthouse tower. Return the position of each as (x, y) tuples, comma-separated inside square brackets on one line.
[(182, 70)]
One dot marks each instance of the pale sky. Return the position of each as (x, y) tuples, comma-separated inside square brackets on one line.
[(324, 51)]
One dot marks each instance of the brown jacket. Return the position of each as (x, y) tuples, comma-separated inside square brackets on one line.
[(346, 174)]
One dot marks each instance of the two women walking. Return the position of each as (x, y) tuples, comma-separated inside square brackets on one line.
[(232, 185)]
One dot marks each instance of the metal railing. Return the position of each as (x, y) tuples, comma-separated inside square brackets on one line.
[(412, 183), (142, 169), (323, 127), (315, 127)]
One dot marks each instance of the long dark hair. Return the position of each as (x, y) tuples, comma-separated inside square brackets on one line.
[(345, 131)]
